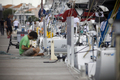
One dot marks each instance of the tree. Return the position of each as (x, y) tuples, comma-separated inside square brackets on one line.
[(32, 18), (28, 12), (6, 12)]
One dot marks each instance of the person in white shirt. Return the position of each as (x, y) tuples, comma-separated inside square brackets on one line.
[(76, 23), (48, 18), (41, 23), (16, 24), (103, 24), (41, 26), (86, 28)]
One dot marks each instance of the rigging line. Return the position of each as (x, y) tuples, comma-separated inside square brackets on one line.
[(73, 5), (90, 16), (85, 51), (81, 49), (114, 16), (90, 8), (108, 29), (116, 4), (72, 9), (103, 2), (93, 13), (89, 48), (63, 8), (69, 11), (115, 9)]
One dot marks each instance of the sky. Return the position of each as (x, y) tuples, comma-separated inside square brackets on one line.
[(35, 3)]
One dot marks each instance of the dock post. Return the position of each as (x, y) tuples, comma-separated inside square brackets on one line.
[(117, 33), (70, 41)]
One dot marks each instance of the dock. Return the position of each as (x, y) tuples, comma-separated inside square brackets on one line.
[(16, 67)]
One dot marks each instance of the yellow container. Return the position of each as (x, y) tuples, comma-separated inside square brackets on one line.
[(37, 29), (49, 35)]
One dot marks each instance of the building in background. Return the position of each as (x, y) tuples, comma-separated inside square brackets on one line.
[(23, 12), (8, 6)]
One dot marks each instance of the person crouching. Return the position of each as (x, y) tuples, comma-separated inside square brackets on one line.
[(25, 49)]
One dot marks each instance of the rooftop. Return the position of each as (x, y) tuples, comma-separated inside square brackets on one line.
[(18, 6), (8, 6)]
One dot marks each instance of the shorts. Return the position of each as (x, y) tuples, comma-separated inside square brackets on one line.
[(9, 29), (28, 52)]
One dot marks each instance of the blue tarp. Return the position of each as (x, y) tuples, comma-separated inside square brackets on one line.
[(39, 13), (118, 15), (107, 27)]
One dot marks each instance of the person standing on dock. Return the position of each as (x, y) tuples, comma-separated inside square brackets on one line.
[(16, 24), (8, 25), (2, 26)]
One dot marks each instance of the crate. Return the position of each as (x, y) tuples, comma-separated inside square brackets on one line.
[(20, 35)]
